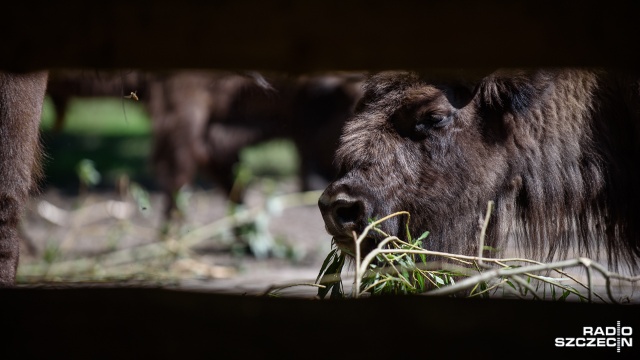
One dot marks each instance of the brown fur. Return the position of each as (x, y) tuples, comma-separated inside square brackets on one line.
[(558, 151), (21, 97), (202, 120)]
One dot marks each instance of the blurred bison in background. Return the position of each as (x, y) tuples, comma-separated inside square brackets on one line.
[(21, 98), (558, 151), (202, 120)]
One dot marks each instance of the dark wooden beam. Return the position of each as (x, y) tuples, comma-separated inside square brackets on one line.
[(317, 35), (146, 323)]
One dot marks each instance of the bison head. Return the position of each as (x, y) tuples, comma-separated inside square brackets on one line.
[(442, 150)]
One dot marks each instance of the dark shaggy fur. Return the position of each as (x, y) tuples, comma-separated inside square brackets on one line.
[(21, 97), (557, 150)]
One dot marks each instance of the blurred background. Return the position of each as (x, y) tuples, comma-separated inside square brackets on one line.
[(200, 179)]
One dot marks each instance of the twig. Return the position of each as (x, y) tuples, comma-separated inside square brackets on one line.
[(505, 271), (275, 288), (483, 233)]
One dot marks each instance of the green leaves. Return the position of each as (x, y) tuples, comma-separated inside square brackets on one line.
[(329, 275), (87, 173), (402, 267)]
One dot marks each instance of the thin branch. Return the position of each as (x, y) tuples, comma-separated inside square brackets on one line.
[(483, 232), (506, 271)]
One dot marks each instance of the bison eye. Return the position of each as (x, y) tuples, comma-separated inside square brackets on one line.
[(418, 124), (428, 121), (434, 120)]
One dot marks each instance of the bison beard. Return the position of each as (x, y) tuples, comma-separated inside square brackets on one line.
[(556, 150), (21, 97)]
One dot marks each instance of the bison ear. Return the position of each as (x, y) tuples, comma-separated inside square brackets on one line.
[(511, 90)]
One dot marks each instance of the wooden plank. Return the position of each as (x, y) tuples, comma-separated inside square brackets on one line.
[(135, 323), (316, 35)]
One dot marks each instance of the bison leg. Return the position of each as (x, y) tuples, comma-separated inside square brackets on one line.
[(174, 167), (21, 98)]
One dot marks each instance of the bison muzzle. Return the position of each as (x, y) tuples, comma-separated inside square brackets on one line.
[(556, 150)]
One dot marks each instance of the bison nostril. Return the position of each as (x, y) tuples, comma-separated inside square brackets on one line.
[(341, 212), (348, 212)]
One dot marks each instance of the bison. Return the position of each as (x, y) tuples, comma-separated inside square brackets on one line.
[(196, 117), (21, 98), (556, 150), (202, 120)]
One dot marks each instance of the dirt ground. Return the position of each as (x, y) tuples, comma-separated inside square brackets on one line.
[(107, 238), (90, 239)]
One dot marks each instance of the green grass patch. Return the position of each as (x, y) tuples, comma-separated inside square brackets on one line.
[(116, 135), (276, 159), (100, 116)]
